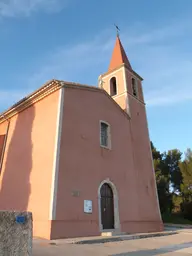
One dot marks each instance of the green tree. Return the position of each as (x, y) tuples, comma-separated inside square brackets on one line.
[(177, 201), (174, 182), (156, 154), (165, 197), (171, 168), (186, 186), (186, 170), (162, 180)]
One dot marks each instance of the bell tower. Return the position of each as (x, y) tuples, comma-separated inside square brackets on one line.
[(124, 85), (121, 81)]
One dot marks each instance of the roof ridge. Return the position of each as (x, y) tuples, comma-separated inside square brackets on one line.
[(45, 90)]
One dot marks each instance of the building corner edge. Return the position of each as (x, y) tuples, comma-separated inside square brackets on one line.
[(55, 170)]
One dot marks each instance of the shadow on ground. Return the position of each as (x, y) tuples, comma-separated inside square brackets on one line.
[(160, 251)]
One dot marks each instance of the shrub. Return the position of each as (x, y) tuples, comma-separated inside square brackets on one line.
[(186, 209)]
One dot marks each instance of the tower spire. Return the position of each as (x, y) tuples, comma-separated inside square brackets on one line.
[(119, 56)]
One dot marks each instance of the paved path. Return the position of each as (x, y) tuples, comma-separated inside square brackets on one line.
[(174, 245)]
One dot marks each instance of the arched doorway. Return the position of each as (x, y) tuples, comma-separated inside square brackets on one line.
[(107, 206)]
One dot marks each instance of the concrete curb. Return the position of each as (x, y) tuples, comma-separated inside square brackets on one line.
[(123, 238)]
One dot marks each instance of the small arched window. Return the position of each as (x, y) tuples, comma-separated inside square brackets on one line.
[(134, 87), (113, 86)]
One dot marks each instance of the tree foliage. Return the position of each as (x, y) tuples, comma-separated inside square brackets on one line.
[(174, 180), (162, 180), (186, 170), (172, 161)]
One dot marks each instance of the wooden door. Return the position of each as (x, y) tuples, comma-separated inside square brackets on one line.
[(107, 207)]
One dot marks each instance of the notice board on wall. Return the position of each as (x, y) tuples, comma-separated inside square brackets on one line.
[(88, 206)]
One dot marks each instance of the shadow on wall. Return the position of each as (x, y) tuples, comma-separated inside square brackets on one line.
[(15, 185)]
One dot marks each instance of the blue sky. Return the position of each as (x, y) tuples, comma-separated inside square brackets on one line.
[(73, 40)]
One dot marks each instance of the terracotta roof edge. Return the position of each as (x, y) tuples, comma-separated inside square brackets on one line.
[(48, 88), (27, 101)]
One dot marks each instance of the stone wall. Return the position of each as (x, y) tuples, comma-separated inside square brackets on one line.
[(15, 233)]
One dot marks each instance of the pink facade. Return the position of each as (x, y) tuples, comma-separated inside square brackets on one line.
[(26, 173), (52, 158)]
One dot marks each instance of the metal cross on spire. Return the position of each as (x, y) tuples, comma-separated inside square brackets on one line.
[(118, 29)]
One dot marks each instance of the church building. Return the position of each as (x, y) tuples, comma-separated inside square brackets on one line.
[(79, 157)]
